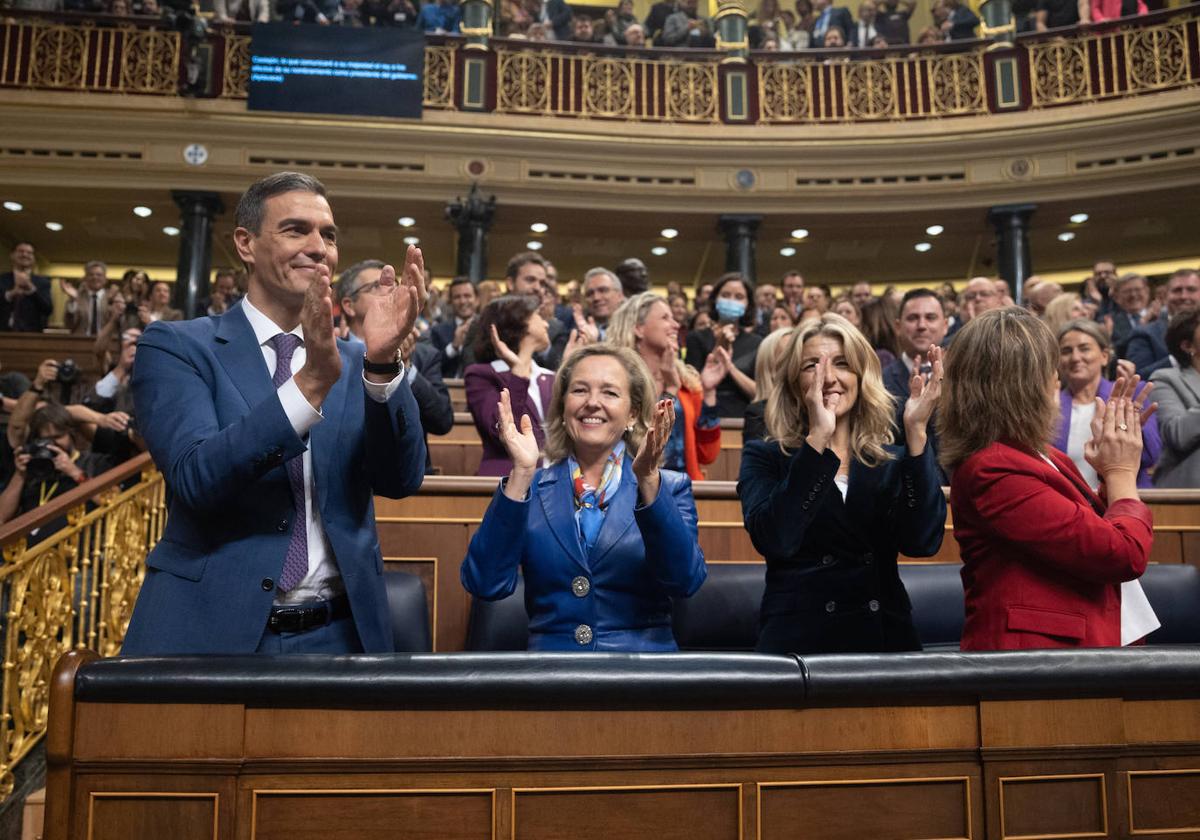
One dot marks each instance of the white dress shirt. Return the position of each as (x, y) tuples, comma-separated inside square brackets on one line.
[(323, 580)]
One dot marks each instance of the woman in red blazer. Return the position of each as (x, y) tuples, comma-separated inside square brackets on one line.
[(644, 324), (1043, 556)]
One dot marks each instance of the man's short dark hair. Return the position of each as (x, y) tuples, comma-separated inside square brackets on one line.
[(461, 280), (915, 294), (521, 260), (1181, 329), (21, 242), (51, 414), (510, 315), (249, 214), (347, 284)]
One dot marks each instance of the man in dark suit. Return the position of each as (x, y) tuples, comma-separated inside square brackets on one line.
[(357, 290), (449, 337), (558, 14), (25, 303), (827, 17), (921, 325), (1147, 347), (273, 438), (957, 22), (1131, 309)]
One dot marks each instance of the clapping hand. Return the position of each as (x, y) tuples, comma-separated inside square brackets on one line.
[(924, 392), (322, 362), (587, 328), (574, 341), (822, 407), (667, 368), (645, 464), (521, 446), (725, 334), (392, 315), (519, 364), (714, 370), (1115, 450)]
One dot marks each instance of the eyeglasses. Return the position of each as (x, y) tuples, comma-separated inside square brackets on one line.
[(373, 288), (978, 295)]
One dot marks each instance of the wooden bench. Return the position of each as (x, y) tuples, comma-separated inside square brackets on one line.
[(25, 351)]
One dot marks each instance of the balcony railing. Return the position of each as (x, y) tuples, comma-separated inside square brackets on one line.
[(1118, 59), (74, 589)]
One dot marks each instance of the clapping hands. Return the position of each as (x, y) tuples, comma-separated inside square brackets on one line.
[(645, 464), (521, 445), (924, 392)]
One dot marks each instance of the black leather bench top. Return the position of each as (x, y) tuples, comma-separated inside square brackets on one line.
[(637, 681)]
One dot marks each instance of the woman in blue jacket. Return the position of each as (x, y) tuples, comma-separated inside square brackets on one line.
[(829, 501), (604, 538)]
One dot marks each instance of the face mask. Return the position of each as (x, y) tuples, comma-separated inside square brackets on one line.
[(730, 310)]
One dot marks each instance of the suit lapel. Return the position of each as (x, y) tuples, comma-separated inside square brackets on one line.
[(558, 503), (238, 352), (619, 518)]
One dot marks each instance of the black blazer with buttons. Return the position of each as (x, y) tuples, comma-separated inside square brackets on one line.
[(832, 582)]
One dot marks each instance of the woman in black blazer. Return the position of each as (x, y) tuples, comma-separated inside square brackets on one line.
[(829, 501)]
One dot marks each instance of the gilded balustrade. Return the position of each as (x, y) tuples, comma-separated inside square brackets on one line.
[(73, 590)]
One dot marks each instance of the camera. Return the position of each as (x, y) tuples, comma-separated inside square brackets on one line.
[(131, 308), (68, 372), (41, 460)]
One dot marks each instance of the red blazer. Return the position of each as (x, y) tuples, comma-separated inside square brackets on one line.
[(700, 446), (1042, 559)]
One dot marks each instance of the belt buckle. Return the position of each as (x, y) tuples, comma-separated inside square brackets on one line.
[(289, 619)]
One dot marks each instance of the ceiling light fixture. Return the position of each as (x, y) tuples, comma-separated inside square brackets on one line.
[(800, 233), (171, 230), (1066, 236), (934, 230), (54, 226), (14, 206), (1079, 218), (669, 233), (406, 221), (533, 245), (412, 240), (539, 227), (922, 247), (142, 211), (658, 251), (787, 252)]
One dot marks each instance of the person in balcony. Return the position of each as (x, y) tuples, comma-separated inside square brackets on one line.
[(891, 20), (829, 17), (1044, 557), (830, 502), (1101, 10), (1055, 14), (440, 17), (685, 28), (1084, 354), (645, 325), (955, 21), (863, 32), (605, 537)]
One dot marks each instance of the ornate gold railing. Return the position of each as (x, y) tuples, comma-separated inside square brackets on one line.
[(1134, 56), (73, 590)]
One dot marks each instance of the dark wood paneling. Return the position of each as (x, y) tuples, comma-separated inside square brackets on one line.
[(1164, 800), (836, 810), (373, 815), (153, 817), (1050, 806), (663, 814)]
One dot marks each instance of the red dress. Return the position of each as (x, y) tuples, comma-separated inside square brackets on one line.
[(1043, 560)]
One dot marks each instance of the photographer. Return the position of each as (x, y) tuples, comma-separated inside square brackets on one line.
[(49, 465)]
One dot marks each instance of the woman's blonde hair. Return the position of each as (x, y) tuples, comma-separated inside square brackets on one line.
[(641, 399), (998, 375), (632, 314), (765, 363), (871, 417), (1058, 310)]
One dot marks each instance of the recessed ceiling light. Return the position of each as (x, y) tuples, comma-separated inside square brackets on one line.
[(533, 245), (787, 252), (934, 230), (54, 226), (669, 233), (14, 206), (412, 240), (922, 247), (406, 221), (799, 233), (539, 227), (1066, 236), (1079, 218), (171, 230), (658, 250), (142, 211)]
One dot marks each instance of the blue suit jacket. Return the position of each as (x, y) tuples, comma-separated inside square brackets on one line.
[(210, 416), (632, 571), (1147, 348)]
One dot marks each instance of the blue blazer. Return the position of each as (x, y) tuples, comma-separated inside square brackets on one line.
[(209, 414), (1147, 348), (832, 581), (631, 572)]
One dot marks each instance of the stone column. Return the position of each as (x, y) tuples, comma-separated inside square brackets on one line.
[(740, 233), (472, 217), (1012, 245), (197, 210)]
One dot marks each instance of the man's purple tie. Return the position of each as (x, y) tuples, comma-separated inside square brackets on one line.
[(295, 565)]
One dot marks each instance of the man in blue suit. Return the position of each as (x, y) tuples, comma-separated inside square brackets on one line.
[(273, 437), (921, 325), (1147, 347), (829, 17)]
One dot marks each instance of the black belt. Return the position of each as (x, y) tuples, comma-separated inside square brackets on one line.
[(303, 617)]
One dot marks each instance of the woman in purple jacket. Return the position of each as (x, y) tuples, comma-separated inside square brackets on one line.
[(510, 332), (1083, 354)]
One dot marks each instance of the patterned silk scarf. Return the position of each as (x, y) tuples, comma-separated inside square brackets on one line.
[(591, 503)]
